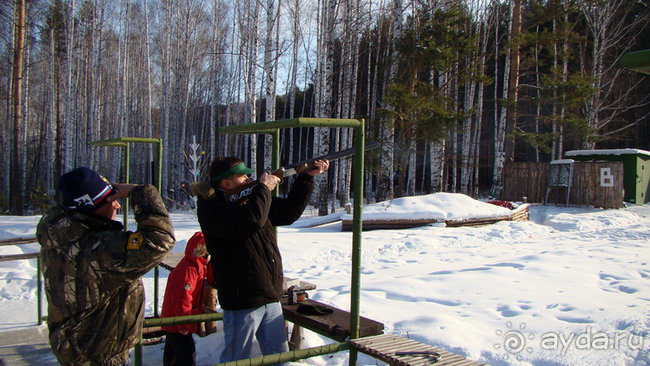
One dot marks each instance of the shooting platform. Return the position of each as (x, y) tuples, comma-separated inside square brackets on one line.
[(401, 351)]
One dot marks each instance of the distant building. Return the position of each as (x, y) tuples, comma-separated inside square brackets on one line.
[(636, 165)]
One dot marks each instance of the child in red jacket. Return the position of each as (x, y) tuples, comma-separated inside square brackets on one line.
[(184, 296)]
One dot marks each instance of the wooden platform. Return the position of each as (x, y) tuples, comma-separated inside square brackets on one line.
[(27, 346), (335, 325), (401, 351)]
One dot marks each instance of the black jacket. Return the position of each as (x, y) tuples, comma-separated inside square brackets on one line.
[(241, 240)]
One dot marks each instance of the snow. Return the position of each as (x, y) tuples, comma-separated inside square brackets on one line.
[(435, 206), (568, 287), (607, 152), (562, 161)]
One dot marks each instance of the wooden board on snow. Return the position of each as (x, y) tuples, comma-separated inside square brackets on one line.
[(519, 214)]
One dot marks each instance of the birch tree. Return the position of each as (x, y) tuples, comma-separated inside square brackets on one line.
[(270, 70), (68, 150), (324, 97), (385, 189), (166, 60), (249, 30), (614, 29), (500, 113)]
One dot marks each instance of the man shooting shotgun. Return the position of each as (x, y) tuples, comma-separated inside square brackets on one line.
[(246, 261), (242, 191)]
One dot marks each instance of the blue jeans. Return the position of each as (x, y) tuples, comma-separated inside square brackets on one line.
[(241, 327)]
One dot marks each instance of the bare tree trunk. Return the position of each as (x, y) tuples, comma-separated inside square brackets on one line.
[(149, 118), (412, 160), (51, 134), (500, 124), (565, 75), (18, 159), (479, 103), (385, 189), (28, 165), (437, 165), (270, 60), (322, 135), (466, 167), (213, 144), (165, 93), (513, 80), (90, 87), (251, 36), (7, 133), (68, 152), (353, 66)]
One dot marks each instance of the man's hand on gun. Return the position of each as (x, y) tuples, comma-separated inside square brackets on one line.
[(269, 180), (319, 167)]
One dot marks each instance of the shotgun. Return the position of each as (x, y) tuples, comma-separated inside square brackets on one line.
[(243, 191)]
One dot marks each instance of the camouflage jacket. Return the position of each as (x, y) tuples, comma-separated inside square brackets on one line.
[(92, 273)]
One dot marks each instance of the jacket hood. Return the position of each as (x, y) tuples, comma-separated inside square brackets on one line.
[(196, 240)]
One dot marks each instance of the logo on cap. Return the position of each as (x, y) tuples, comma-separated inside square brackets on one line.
[(84, 200)]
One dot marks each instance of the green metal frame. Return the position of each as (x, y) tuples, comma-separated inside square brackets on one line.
[(273, 128), (124, 143), (638, 61)]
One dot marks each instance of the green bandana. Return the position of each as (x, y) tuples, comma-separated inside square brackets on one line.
[(237, 169)]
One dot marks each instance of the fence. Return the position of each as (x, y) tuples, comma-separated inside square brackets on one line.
[(598, 184), (13, 257)]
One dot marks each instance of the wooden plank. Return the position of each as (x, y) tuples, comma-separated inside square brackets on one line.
[(476, 221), (519, 214), (18, 241), (387, 347), (335, 325), (13, 257)]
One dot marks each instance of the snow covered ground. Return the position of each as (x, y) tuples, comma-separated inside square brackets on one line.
[(568, 287)]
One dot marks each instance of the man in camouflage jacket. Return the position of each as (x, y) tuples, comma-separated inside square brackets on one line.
[(92, 268)]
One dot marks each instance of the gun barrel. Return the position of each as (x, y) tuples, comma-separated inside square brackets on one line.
[(241, 192), (298, 168)]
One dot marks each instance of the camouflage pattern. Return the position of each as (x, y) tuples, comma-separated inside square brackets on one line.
[(92, 273)]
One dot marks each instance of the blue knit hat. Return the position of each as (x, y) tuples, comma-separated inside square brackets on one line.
[(84, 190)]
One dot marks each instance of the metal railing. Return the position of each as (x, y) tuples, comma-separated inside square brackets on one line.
[(13, 257)]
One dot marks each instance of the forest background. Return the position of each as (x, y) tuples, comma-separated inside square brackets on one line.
[(453, 89)]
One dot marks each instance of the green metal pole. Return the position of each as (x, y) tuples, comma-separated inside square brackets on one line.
[(275, 155), (156, 269), (159, 166), (39, 291), (127, 153), (156, 273), (137, 354), (183, 319), (355, 285), (290, 356)]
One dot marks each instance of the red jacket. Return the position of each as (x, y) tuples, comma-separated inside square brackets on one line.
[(185, 286)]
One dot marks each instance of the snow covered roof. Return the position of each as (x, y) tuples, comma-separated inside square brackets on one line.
[(608, 152), (562, 161)]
